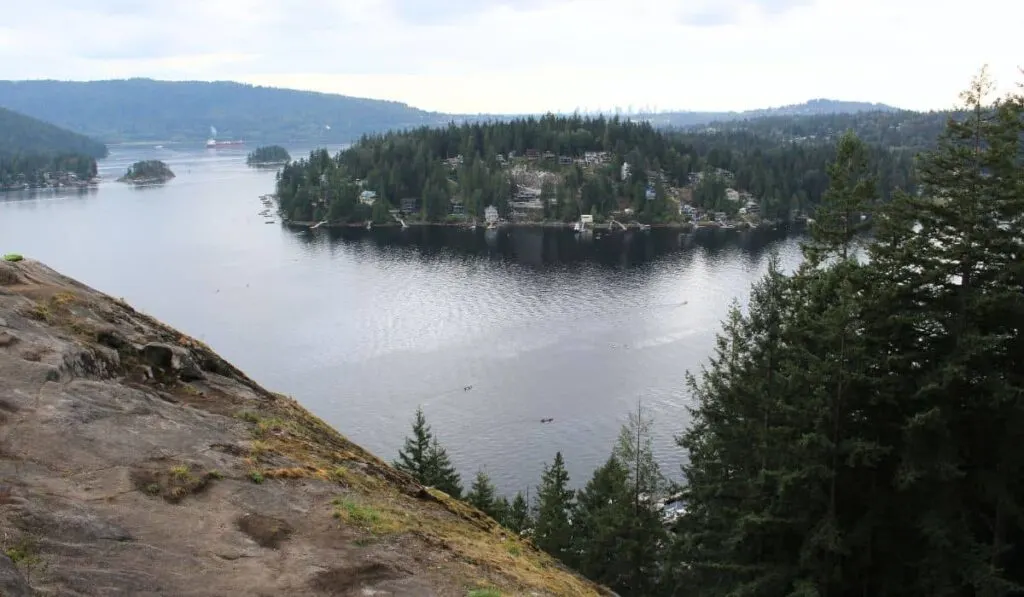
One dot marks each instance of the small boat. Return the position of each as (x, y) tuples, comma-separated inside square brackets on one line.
[(269, 222), (577, 227), (645, 227), (369, 225)]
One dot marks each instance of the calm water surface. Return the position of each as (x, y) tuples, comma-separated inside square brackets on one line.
[(362, 327)]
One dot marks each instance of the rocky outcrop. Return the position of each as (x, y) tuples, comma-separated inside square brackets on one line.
[(136, 461)]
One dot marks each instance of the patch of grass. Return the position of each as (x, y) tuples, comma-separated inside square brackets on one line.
[(483, 593), (14, 257), (268, 426), (41, 312), (63, 299), (248, 416), (514, 550), (24, 554), (256, 477), (367, 517), (258, 448), (182, 472), (215, 474), (173, 484)]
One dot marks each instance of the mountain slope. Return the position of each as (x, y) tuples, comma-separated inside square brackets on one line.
[(21, 134), (136, 461), (149, 110)]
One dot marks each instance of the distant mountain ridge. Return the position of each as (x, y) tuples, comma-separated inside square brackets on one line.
[(814, 107), (24, 135), (127, 110), (134, 110)]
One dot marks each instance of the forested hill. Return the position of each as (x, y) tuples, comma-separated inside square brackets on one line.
[(24, 135), (149, 110), (558, 168), (815, 107), (895, 129)]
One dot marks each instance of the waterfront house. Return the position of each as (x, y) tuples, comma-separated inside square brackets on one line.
[(625, 171), (458, 209), (649, 193), (564, 160), (367, 197), (532, 154), (491, 214), (732, 195)]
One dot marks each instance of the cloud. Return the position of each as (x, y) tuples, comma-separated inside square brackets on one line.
[(530, 55)]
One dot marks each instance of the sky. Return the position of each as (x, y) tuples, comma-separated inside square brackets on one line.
[(517, 56)]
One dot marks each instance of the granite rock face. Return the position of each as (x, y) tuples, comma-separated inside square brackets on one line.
[(136, 461)]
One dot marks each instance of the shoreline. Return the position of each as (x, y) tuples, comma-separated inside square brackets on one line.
[(604, 227)]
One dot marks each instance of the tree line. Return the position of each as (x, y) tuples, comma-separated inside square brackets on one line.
[(788, 178), (856, 429), (32, 169)]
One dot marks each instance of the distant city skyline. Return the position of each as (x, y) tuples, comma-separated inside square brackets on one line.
[(528, 56)]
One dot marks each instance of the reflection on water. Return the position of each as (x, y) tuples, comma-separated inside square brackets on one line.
[(363, 326)]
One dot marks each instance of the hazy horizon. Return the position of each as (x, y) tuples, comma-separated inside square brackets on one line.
[(527, 56)]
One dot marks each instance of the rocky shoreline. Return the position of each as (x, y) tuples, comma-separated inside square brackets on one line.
[(681, 226), (136, 461)]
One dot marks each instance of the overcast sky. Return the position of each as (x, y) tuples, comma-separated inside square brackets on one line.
[(533, 55)]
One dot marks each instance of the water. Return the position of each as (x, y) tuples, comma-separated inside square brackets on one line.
[(362, 327)]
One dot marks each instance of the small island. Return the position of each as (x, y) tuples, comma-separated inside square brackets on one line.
[(269, 155), (147, 172)]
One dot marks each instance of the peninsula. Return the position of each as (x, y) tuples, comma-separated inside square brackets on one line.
[(268, 155), (38, 155), (135, 460), (147, 172), (555, 170)]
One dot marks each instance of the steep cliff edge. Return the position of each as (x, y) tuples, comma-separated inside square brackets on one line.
[(135, 461)]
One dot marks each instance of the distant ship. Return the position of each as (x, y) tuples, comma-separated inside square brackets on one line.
[(214, 143)]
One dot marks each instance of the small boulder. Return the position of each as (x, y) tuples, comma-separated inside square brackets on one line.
[(172, 359)]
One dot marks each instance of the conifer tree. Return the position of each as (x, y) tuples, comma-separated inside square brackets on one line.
[(413, 457), (552, 530), (482, 495), (517, 517), (440, 472), (424, 458)]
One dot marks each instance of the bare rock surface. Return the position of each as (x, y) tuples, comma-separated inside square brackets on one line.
[(135, 461)]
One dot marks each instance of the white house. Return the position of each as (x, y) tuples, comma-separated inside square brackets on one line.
[(625, 171), (491, 214), (367, 197), (732, 195)]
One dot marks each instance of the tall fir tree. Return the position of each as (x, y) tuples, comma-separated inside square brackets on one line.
[(413, 457), (423, 457), (440, 472), (482, 495), (552, 530), (517, 517)]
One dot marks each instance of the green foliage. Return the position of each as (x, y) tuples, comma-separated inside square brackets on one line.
[(482, 496), (13, 257), (856, 430), (484, 593), (147, 171), (517, 516), (424, 458), (552, 531), (268, 154), (21, 134)]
